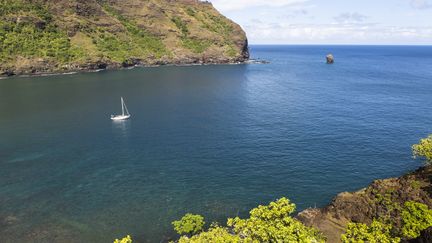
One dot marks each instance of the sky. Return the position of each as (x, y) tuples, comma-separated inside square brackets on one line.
[(399, 22)]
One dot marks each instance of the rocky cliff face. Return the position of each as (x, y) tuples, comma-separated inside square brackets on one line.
[(64, 35), (381, 198)]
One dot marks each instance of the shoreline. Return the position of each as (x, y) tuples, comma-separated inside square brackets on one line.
[(116, 68), (368, 203)]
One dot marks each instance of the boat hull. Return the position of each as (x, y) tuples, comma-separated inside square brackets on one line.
[(120, 118)]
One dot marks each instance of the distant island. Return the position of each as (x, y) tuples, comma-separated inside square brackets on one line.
[(62, 36)]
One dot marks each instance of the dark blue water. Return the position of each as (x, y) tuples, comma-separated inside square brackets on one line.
[(212, 140)]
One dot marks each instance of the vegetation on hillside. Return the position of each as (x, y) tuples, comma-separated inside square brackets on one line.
[(376, 232), (270, 223), (127, 239), (189, 224), (424, 149), (135, 43), (415, 217), (61, 35), (27, 29)]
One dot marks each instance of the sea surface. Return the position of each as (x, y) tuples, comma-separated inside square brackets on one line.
[(214, 140)]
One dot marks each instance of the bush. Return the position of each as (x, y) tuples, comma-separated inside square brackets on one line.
[(127, 239), (415, 218), (214, 234), (273, 223), (190, 224), (375, 233), (424, 149)]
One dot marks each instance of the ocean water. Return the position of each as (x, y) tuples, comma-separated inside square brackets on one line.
[(212, 140)]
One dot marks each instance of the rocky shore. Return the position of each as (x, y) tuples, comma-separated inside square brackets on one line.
[(381, 198), (40, 68)]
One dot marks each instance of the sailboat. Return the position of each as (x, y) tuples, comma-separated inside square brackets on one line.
[(125, 113)]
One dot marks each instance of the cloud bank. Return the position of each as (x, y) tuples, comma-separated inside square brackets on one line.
[(230, 5), (332, 22)]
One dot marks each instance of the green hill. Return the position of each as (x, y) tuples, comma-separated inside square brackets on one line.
[(38, 36)]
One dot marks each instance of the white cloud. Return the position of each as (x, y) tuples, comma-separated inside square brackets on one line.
[(350, 18), (421, 4), (281, 33), (229, 5)]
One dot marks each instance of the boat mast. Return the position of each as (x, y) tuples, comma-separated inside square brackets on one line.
[(125, 107), (122, 104)]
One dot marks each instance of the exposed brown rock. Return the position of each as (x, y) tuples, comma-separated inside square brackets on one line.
[(375, 201)]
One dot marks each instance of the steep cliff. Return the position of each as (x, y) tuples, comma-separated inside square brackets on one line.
[(38, 36)]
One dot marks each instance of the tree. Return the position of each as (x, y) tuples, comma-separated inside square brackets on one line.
[(415, 218), (214, 234), (273, 223), (127, 239), (424, 149), (189, 224), (377, 232)]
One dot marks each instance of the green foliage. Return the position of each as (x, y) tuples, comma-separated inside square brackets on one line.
[(197, 46), (180, 25), (377, 232), (415, 184), (415, 218), (189, 224), (231, 52), (424, 149), (217, 24), (273, 223), (190, 12), (34, 35), (127, 239), (214, 234), (136, 43)]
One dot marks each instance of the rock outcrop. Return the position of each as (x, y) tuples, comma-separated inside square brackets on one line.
[(40, 36), (330, 59), (377, 200)]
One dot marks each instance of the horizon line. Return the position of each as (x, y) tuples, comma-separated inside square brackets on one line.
[(325, 44)]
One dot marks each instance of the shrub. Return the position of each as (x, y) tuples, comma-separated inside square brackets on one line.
[(181, 25), (377, 232), (127, 239), (189, 224), (424, 149), (214, 234), (415, 218), (273, 223)]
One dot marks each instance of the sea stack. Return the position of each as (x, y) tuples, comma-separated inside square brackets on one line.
[(330, 59)]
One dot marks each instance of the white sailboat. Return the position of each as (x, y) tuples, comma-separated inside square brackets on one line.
[(125, 113)]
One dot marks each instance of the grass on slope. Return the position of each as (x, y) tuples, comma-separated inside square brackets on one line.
[(136, 42), (28, 30)]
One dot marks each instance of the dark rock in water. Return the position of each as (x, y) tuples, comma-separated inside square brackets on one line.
[(7, 73), (330, 59), (256, 61)]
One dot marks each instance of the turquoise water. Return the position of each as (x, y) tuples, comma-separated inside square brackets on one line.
[(212, 140)]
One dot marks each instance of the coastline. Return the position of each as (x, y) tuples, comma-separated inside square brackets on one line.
[(369, 203), (114, 68)]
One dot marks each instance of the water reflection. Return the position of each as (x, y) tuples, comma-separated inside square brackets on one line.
[(121, 128)]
